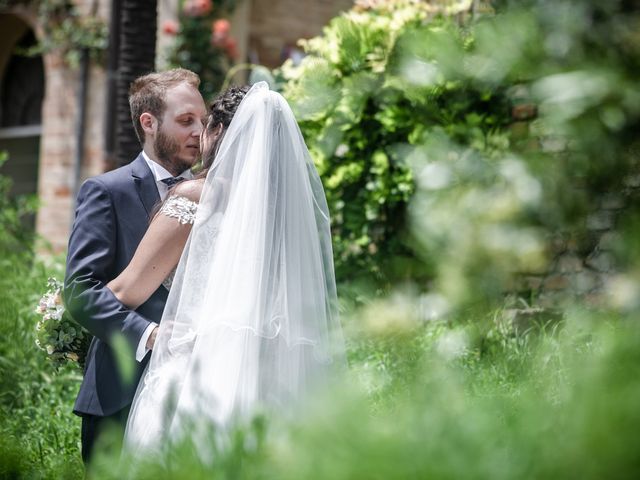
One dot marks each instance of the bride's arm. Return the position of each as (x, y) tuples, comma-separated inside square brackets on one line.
[(157, 254)]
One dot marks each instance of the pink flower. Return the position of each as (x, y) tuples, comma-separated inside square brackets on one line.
[(231, 47), (220, 32), (170, 27), (226, 43), (197, 8), (221, 27)]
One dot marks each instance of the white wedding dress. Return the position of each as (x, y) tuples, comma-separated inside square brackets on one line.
[(251, 320)]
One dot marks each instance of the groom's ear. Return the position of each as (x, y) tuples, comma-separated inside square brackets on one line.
[(149, 123)]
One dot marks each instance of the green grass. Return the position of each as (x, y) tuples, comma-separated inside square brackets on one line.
[(39, 433), (463, 399), (557, 404)]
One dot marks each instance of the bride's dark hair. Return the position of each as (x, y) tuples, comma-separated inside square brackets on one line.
[(221, 112)]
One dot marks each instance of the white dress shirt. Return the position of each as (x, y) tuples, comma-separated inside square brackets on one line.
[(160, 173)]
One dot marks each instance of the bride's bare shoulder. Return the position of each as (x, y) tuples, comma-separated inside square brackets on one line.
[(191, 189)]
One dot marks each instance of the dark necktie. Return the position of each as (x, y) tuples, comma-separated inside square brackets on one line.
[(171, 181)]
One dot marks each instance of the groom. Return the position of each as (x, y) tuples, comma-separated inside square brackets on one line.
[(112, 215)]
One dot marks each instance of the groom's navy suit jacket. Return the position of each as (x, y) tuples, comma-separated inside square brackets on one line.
[(112, 215)]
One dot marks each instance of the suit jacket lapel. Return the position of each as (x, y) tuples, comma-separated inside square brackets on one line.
[(145, 183)]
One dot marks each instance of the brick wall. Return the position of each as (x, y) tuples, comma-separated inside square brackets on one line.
[(267, 28), (56, 177), (264, 27)]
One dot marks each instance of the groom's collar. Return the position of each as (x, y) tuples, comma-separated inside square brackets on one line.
[(145, 183), (160, 173), (140, 169)]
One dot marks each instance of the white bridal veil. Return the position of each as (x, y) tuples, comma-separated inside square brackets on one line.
[(251, 318)]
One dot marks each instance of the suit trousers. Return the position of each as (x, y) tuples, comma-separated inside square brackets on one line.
[(94, 427)]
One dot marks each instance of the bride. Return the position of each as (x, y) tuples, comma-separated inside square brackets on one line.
[(251, 320)]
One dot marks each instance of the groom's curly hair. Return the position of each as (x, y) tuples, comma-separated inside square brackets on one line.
[(221, 112)]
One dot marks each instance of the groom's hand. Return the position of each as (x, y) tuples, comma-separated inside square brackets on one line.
[(152, 339)]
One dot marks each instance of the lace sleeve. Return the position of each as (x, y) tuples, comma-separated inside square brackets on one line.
[(181, 208)]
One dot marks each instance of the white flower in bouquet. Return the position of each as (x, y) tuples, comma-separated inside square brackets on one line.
[(51, 302), (57, 313), (57, 334), (42, 307)]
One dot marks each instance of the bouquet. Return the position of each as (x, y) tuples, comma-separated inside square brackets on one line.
[(56, 333)]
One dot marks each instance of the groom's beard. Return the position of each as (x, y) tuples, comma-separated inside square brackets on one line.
[(167, 151)]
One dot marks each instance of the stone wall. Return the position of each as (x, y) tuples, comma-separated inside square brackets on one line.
[(582, 261), (581, 269)]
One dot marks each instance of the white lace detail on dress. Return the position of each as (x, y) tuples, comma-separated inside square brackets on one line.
[(185, 211), (181, 208), (167, 282)]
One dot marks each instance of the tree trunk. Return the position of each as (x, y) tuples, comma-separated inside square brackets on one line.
[(136, 56)]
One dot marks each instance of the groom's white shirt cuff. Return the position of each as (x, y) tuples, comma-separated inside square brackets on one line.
[(142, 349)]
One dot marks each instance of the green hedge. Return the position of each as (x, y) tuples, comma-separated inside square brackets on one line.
[(499, 131), (362, 106), (39, 436)]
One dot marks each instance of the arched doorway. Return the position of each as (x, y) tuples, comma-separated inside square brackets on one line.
[(22, 83)]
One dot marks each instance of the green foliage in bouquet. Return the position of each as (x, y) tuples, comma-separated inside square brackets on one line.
[(203, 42), (56, 333)]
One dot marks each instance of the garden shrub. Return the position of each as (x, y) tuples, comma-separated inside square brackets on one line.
[(15, 235), (361, 117), (501, 131), (39, 432), (203, 42)]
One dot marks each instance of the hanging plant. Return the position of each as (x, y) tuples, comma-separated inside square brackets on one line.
[(65, 31)]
